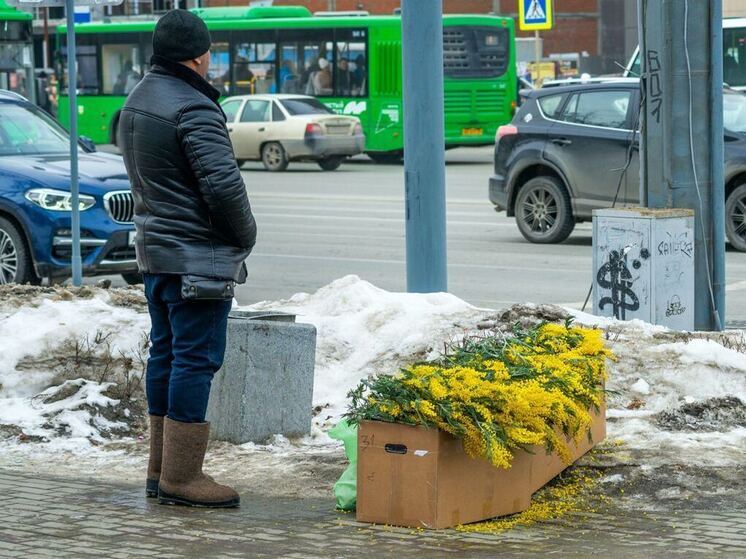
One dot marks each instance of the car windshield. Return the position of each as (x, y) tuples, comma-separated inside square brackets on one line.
[(25, 130), (303, 106), (734, 112)]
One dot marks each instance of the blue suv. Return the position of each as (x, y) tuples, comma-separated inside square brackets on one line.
[(35, 207)]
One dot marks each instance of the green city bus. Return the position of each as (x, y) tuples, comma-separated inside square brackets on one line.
[(16, 51), (276, 50)]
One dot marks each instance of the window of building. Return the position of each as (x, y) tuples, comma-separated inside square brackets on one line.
[(598, 108)]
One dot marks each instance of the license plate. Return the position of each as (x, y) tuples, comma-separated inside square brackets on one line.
[(132, 238), (472, 131)]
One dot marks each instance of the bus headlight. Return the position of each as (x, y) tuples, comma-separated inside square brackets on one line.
[(58, 200)]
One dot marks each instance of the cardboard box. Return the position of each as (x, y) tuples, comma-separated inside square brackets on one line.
[(422, 478)]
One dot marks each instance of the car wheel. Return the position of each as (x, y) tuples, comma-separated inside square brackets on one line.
[(387, 158), (16, 265), (274, 157), (330, 163), (542, 211), (735, 218), (132, 278)]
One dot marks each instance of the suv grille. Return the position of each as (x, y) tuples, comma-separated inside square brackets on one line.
[(120, 206)]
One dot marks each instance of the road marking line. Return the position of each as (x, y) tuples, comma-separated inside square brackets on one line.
[(403, 262)]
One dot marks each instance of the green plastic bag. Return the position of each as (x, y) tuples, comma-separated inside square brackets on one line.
[(345, 490)]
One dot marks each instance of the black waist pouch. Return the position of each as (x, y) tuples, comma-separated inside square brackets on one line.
[(198, 288)]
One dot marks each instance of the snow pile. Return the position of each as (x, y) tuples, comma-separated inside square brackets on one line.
[(69, 366), (363, 330), (66, 364), (676, 398)]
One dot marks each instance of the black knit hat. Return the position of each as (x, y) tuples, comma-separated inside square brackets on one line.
[(180, 35)]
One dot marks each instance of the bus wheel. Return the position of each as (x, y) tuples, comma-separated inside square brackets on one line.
[(274, 157), (386, 157)]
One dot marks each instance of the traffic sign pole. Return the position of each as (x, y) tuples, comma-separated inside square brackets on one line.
[(72, 91)]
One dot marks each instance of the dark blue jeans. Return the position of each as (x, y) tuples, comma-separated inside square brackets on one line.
[(187, 348)]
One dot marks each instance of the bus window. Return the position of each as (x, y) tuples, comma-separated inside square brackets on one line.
[(475, 52), (307, 61), (734, 53), (254, 68), (120, 67), (290, 56), (87, 58), (351, 74), (219, 72)]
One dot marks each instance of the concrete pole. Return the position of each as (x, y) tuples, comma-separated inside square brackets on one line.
[(72, 91), (424, 145), (682, 133)]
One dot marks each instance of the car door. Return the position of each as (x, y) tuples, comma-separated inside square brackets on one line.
[(589, 142), (251, 128)]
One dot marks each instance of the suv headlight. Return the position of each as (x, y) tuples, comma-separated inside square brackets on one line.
[(58, 200)]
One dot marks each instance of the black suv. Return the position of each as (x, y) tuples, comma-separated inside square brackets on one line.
[(564, 152)]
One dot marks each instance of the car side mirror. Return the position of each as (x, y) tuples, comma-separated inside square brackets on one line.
[(87, 144)]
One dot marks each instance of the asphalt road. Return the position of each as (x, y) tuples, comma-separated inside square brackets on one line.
[(317, 226)]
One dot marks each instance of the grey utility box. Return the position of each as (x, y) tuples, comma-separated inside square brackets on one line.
[(265, 386), (643, 265)]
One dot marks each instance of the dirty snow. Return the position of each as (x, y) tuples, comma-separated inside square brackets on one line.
[(40, 328), (675, 399)]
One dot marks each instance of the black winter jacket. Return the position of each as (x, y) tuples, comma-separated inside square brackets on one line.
[(192, 213)]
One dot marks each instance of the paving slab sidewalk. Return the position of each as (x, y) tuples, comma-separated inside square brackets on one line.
[(44, 517)]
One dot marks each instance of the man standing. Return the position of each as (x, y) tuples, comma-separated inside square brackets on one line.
[(194, 231)]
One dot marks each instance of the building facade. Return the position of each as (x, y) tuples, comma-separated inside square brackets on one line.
[(734, 8)]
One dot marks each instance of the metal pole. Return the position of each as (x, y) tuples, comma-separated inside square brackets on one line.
[(718, 161), (72, 86), (424, 145), (45, 56)]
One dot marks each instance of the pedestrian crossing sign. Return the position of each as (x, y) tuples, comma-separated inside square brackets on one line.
[(535, 15)]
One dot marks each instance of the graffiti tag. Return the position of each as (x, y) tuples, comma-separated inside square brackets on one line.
[(615, 275)]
